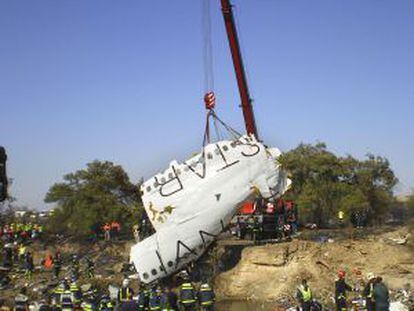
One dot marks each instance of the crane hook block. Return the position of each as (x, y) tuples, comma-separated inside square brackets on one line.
[(210, 100)]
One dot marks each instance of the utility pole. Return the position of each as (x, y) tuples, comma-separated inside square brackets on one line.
[(246, 101)]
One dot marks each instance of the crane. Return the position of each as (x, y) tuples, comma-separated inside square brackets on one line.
[(246, 101)]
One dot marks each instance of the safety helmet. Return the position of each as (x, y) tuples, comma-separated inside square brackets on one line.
[(341, 274), (125, 282), (370, 276)]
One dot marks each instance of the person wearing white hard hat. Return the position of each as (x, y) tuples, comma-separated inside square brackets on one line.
[(125, 293), (369, 291)]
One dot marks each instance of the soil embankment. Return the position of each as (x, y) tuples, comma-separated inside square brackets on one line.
[(272, 272)]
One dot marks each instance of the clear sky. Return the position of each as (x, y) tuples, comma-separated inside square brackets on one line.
[(123, 81)]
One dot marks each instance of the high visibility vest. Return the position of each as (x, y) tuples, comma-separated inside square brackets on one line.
[(306, 293), (206, 295), (57, 294), (341, 215), (66, 300), (76, 292), (48, 262), (187, 293), (371, 290), (143, 299), (87, 306), (154, 302), (22, 250), (124, 294)]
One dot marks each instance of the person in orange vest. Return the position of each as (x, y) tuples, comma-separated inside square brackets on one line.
[(107, 231), (48, 263)]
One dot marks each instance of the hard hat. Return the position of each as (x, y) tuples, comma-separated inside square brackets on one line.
[(341, 273), (125, 282), (370, 276)]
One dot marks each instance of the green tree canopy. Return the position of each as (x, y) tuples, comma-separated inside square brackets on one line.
[(102, 192), (324, 183)]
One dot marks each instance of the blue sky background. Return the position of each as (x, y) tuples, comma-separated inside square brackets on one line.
[(123, 81)]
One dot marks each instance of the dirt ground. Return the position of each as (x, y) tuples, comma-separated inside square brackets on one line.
[(264, 273), (272, 272), (108, 257)]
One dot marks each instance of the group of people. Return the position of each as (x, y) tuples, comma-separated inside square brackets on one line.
[(20, 232), (17, 255), (111, 230), (186, 297), (374, 293), (107, 230), (267, 220), (69, 296)]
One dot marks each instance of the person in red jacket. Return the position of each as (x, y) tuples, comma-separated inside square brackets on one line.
[(115, 228)]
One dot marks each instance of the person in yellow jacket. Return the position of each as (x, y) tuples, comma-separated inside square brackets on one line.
[(304, 296), (22, 252)]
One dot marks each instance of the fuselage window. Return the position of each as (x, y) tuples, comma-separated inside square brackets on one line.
[(148, 188), (209, 156), (154, 272), (170, 263), (145, 275)]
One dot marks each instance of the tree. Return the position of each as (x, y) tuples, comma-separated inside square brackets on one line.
[(324, 183), (100, 193), (410, 205)]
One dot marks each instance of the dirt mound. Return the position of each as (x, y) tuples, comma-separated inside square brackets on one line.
[(272, 272)]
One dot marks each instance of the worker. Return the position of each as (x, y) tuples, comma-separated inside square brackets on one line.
[(57, 293), (206, 297), (105, 304), (304, 295), (88, 304), (76, 293), (143, 298), (187, 295), (7, 257), (21, 301), (257, 228), (115, 228), (368, 292), (341, 288), (154, 303), (341, 216), (66, 299), (90, 268), (74, 266), (125, 293), (57, 264), (168, 300), (107, 231), (381, 296), (29, 265), (48, 262), (22, 252), (44, 305), (135, 232)]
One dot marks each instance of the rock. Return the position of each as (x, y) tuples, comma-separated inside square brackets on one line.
[(398, 306), (85, 287)]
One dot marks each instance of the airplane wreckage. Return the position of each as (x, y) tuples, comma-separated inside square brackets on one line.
[(191, 203)]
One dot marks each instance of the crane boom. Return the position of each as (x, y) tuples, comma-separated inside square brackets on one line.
[(246, 101)]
